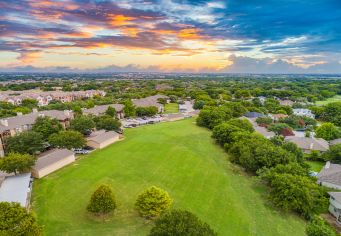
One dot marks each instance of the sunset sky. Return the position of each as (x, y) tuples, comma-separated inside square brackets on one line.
[(251, 36)]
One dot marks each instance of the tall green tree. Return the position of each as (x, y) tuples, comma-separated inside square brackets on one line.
[(26, 142), (67, 139), (129, 109), (82, 124), (17, 163), (15, 220), (328, 131), (107, 122), (111, 112), (47, 126)]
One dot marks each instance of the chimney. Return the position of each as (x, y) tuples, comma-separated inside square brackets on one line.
[(4, 122), (327, 165), (19, 113), (35, 110)]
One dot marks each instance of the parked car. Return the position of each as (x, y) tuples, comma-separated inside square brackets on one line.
[(80, 151)]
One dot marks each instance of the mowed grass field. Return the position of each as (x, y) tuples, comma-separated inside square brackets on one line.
[(171, 108), (336, 98), (176, 156)]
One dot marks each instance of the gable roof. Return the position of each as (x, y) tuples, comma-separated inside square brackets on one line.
[(52, 156), (306, 143), (330, 173), (253, 114), (335, 141), (102, 137), (336, 196), (149, 101), (15, 189), (101, 109)]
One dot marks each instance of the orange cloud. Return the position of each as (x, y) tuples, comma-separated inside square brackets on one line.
[(189, 34), (29, 56), (119, 20)]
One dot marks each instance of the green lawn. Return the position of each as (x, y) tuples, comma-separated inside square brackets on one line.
[(336, 98), (176, 156), (171, 108), (316, 165)]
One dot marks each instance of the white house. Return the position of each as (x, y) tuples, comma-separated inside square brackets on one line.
[(330, 176), (303, 112), (335, 205)]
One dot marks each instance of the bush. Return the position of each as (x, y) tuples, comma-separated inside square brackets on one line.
[(212, 116), (107, 122), (179, 222), (17, 163), (152, 202), (67, 139), (102, 200), (223, 133), (318, 227), (146, 111), (328, 131), (26, 142)]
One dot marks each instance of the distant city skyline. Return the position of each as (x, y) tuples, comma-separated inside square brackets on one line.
[(232, 36)]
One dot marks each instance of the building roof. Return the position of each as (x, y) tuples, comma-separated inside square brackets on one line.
[(50, 157), (102, 137), (279, 116), (306, 143), (97, 110), (149, 101), (336, 196), (253, 114), (330, 173), (335, 141), (30, 119), (15, 189), (263, 131)]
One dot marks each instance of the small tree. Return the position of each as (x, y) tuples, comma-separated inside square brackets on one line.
[(129, 109), (318, 227), (102, 201), (178, 222), (26, 142), (111, 111), (17, 163), (152, 202), (107, 122), (328, 131), (67, 139), (15, 220), (82, 124), (47, 126)]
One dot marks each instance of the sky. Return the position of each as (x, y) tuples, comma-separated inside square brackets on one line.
[(232, 36)]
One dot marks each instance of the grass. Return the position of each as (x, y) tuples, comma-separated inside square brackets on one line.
[(316, 165), (336, 98), (176, 156), (171, 108)]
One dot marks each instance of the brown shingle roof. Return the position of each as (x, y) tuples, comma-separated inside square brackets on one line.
[(305, 143), (102, 137), (97, 110), (50, 157)]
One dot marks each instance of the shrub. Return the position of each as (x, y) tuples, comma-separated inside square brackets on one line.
[(318, 227), (17, 163), (67, 139), (102, 200), (152, 202), (26, 142), (328, 131), (179, 222)]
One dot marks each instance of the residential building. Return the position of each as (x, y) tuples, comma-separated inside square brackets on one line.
[(150, 101), (303, 112), (10, 126), (51, 161), (100, 110), (101, 139), (330, 176), (309, 144), (253, 114), (335, 141), (277, 117), (286, 102), (16, 188), (335, 205)]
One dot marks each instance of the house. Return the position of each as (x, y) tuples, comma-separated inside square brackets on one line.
[(277, 117), (309, 144), (101, 139), (151, 101), (263, 131), (51, 161), (253, 114), (11, 126), (100, 110), (303, 112), (182, 108), (335, 205), (330, 176), (335, 141), (286, 102), (262, 99), (16, 188)]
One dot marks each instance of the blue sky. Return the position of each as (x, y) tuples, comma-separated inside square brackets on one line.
[(249, 36)]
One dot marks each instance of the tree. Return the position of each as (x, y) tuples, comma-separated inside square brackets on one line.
[(212, 116), (67, 139), (82, 124), (30, 103), (334, 153), (129, 109), (152, 202), (111, 112), (102, 200), (180, 222), (332, 113), (17, 163), (223, 132), (264, 121), (26, 142), (318, 227), (146, 111), (15, 220), (278, 127), (47, 126), (107, 123), (328, 131), (243, 124), (199, 104)]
